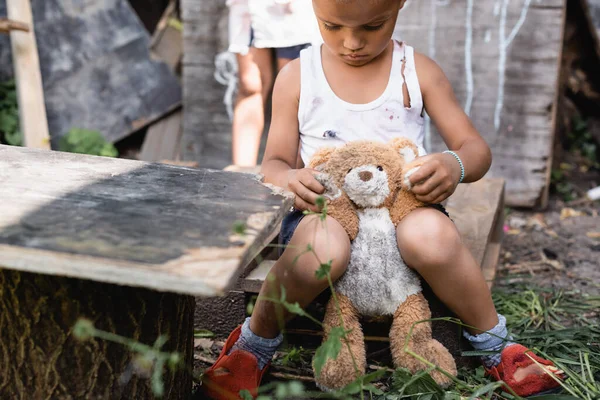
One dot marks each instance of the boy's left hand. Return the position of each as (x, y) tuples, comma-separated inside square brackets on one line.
[(436, 179)]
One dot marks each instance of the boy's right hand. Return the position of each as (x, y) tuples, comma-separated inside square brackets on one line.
[(307, 189)]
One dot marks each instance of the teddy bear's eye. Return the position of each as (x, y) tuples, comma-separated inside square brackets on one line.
[(379, 168)]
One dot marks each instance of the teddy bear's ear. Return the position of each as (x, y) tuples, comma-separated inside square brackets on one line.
[(406, 147), (321, 157)]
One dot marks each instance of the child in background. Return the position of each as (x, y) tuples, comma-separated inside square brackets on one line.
[(259, 30), (361, 84)]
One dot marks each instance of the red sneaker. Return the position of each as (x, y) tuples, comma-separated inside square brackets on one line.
[(232, 373), (517, 356)]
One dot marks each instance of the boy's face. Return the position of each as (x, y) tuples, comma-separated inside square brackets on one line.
[(357, 31)]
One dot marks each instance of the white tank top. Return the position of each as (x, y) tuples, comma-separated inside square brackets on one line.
[(326, 120)]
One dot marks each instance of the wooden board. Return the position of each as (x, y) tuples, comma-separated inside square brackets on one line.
[(477, 209), (96, 68), (163, 138), (131, 223), (26, 64), (207, 129)]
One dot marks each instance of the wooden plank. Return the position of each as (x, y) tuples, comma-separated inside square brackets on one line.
[(96, 68), (131, 223), (163, 138), (474, 210), (502, 59), (207, 129), (477, 209), (32, 111), (253, 282), (167, 40)]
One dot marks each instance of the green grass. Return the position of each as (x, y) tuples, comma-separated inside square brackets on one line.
[(562, 326)]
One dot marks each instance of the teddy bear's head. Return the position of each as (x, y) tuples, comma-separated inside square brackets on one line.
[(369, 172)]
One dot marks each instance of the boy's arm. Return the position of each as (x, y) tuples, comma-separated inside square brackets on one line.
[(439, 175), (283, 139), (280, 160)]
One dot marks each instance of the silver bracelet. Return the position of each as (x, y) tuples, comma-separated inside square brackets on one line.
[(462, 167)]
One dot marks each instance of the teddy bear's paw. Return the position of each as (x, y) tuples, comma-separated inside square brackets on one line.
[(332, 192), (437, 354), (340, 372), (406, 181)]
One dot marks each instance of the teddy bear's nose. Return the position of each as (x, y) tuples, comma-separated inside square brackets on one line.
[(365, 176)]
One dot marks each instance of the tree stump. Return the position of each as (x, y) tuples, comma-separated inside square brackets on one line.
[(41, 359)]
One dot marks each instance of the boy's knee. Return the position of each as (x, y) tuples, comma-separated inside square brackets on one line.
[(328, 243), (428, 240)]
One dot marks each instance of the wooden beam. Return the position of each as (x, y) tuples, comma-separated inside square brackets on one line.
[(163, 138), (30, 91)]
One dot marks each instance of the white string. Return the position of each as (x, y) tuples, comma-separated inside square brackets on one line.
[(226, 71)]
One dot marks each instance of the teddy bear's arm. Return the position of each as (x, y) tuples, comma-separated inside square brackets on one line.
[(404, 203), (405, 200), (339, 205), (343, 211)]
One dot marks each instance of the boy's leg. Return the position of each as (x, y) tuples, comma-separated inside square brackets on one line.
[(255, 75), (249, 349), (295, 271), (430, 244)]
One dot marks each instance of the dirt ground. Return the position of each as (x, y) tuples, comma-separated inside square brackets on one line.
[(559, 247)]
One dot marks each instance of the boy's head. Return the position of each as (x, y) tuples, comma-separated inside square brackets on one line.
[(357, 31)]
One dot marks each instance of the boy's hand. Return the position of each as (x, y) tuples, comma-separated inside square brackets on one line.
[(306, 188), (436, 179)]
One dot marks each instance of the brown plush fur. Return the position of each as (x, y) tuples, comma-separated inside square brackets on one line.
[(415, 309), (340, 372), (336, 162)]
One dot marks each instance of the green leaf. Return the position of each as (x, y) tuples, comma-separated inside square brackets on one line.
[(245, 395), (324, 270), (203, 333), (489, 388), (295, 308), (84, 141), (372, 389), (290, 389), (329, 349), (352, 387), (374, 376), (239, 227), (14, 139), (320, 202)]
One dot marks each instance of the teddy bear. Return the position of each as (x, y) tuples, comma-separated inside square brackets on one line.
[(368, 193)]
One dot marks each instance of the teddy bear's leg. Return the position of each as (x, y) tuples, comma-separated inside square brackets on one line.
[(346, 367), (414, 309)]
